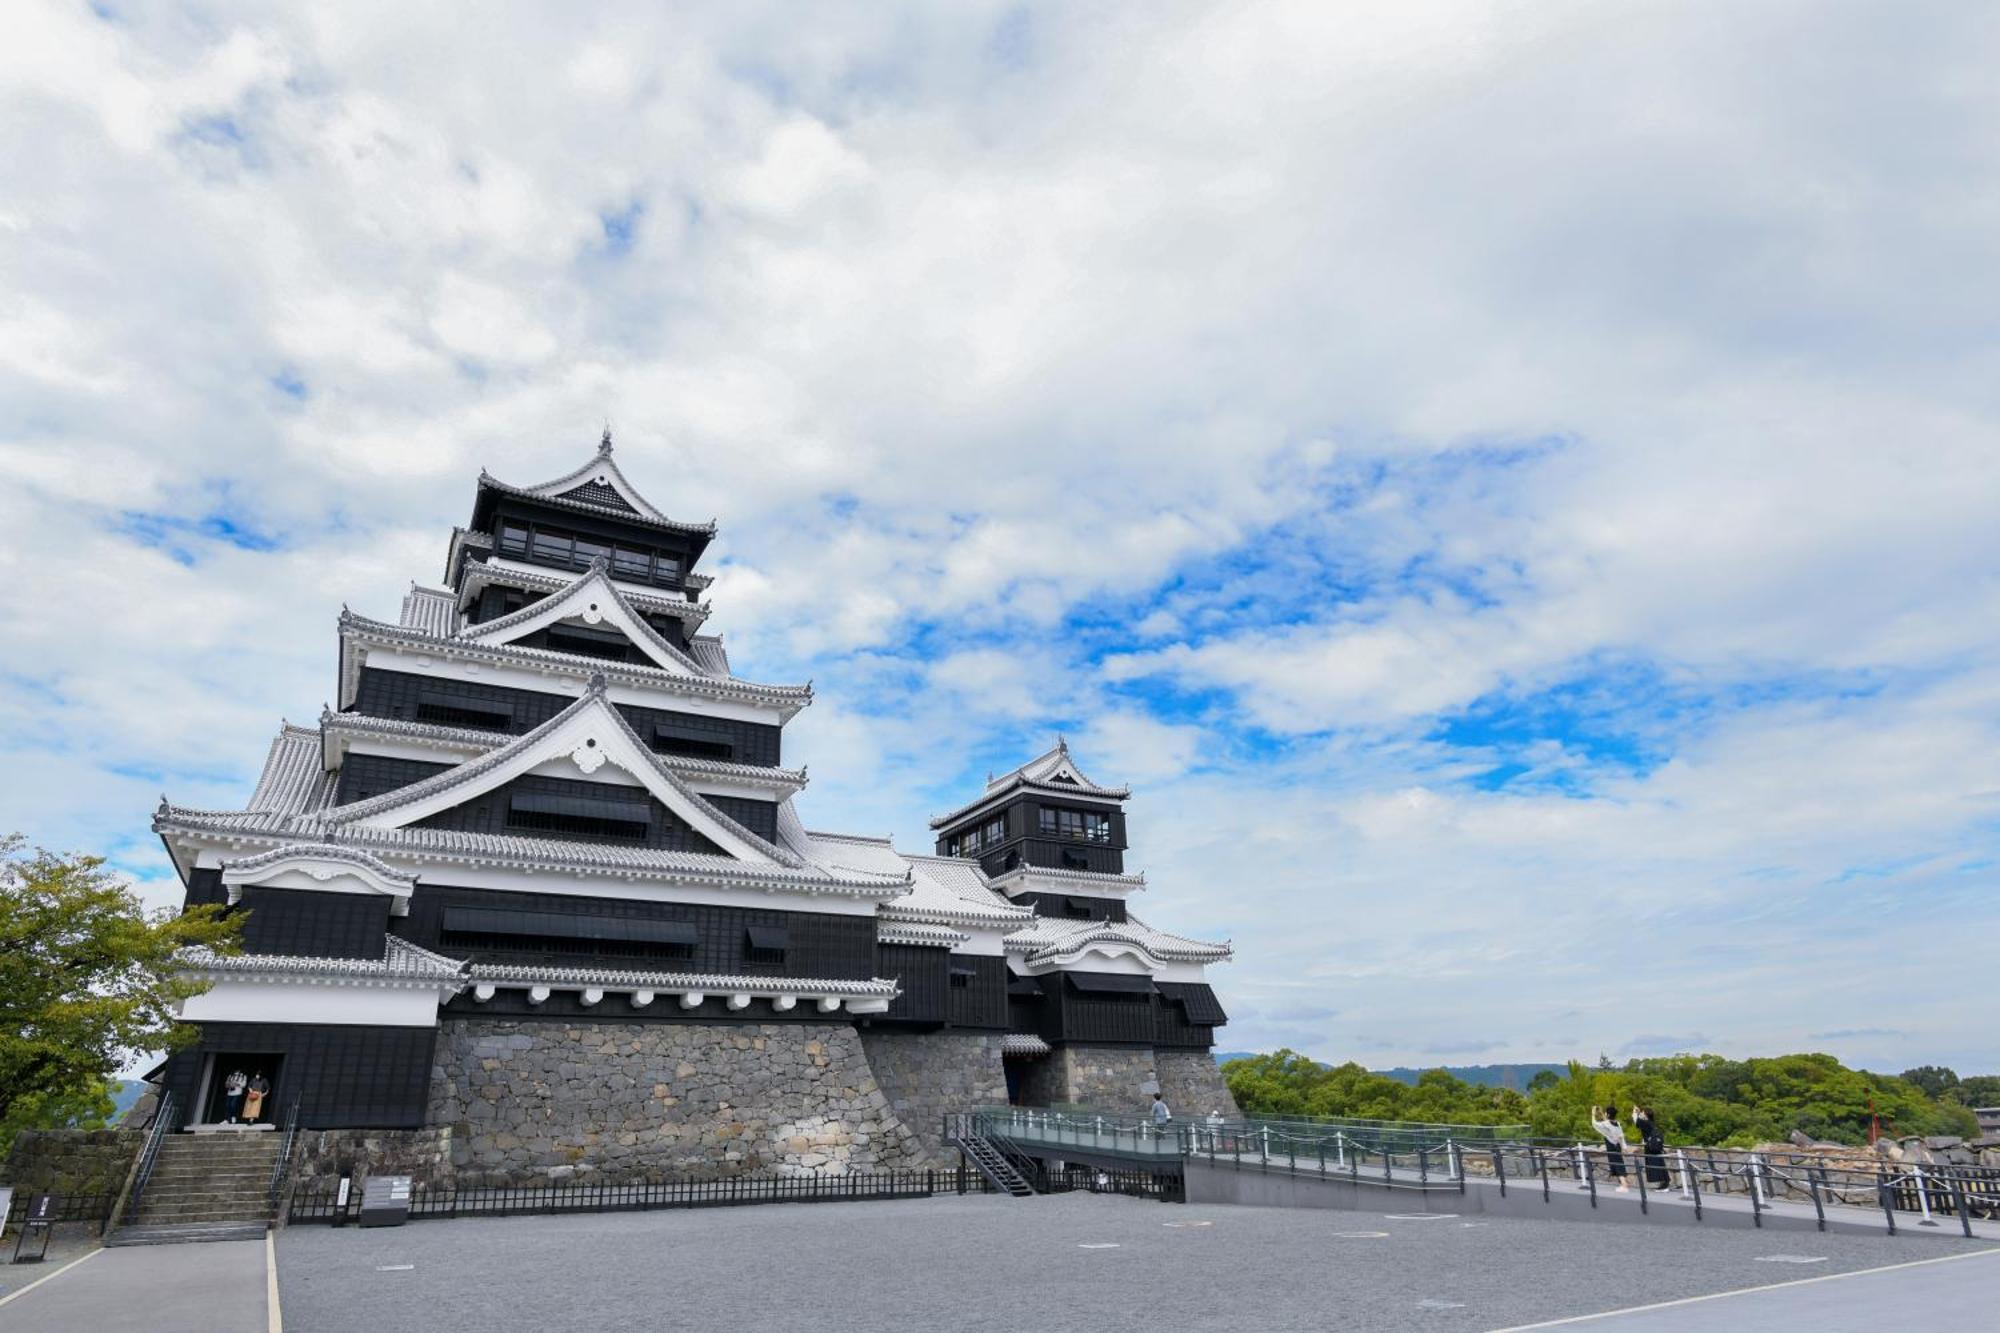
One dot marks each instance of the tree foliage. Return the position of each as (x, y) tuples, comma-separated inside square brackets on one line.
[(1702, 1099), (87, 981)]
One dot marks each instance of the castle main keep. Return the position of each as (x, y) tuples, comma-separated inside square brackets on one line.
[(538, 886)]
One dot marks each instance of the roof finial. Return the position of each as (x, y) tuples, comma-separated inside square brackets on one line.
[(1062, 743), (598, 683), (604, 444)]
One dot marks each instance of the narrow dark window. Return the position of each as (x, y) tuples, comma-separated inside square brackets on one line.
[(451, 710), (766, 945), (961, 977), (691, 743), (588, 550), (582, 816), (513, 539), (1074, 860), (554, 547), (627, 563), (588, 641)]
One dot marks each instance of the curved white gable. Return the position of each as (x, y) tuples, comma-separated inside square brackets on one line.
[(579, 745), (594, 600)]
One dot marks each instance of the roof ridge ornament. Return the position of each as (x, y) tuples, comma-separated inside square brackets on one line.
[(599, 683), (604, 444)]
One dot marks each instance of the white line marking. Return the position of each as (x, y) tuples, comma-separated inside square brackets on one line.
[(1187, 1224), (274, 1318), (1360, 1235), (1105, 1245), (49, 1277), (395, 1268), (1418, 1217), (1790, 1259), (1440, 1305), (1745, 1291)]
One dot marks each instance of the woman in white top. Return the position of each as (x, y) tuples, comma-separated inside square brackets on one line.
[(1604, 1119)]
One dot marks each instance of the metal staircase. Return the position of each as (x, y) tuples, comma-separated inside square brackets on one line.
[(990, 1162)]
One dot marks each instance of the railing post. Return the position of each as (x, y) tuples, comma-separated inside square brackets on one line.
[(1542, 1166), (1819, 1205), (1757, 1179), (1458, 1166), (1423, 1166), (1958, 1201), (1499, 1172), (1923, 1197), (1686, 1173), (1582, 1172), (1882, 1193), (1340, 1146)]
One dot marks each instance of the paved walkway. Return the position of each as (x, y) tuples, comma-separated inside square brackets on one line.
[(217, 1288), (1957, 1292)]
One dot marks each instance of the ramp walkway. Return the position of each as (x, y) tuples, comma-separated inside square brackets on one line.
[(1301, 1164)]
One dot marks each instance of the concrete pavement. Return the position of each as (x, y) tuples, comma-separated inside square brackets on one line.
[(217, 1288)]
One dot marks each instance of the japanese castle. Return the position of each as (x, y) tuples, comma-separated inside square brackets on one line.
[(542, 864)]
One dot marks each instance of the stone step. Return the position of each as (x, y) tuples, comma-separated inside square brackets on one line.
[(195, 1149), (243, 1173), (206, 1199), (204, 1213), (186, 1233)]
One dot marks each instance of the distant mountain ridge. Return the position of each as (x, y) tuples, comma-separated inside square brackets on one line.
[(1486, 1076)]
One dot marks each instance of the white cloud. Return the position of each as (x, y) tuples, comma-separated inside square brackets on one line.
[(1368, 362)]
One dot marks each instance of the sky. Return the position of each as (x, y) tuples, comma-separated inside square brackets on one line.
[(1514, 488)]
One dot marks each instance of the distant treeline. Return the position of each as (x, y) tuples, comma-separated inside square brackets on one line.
[(1700, 1098)]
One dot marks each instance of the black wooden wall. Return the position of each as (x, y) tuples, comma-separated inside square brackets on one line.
[(1177, 1014), (395, 694), (344, 1077), (317, 924), (819, 944), (487, 813), (1073, 907)]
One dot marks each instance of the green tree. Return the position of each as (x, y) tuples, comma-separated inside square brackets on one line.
[(1978, 1090), (87, 980), (1935, 1080)]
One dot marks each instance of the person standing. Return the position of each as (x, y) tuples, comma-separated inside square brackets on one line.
[(232, 1096), (1604, 1119), (253, 1101), (1655, 1145), (1161, 1115)]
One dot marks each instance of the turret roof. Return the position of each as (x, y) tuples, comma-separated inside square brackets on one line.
[(1052, 772), (598, 487)]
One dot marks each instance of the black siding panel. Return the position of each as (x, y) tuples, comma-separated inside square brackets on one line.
[(365, 775), (314, 924), (394, 694), (982, 1002), (821, 944), (922, 973), (204, 888), (343, 1077), (760, 817), (1057, 905)]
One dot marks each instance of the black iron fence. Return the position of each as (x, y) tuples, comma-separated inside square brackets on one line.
[(320, 1200), (91, 1208)]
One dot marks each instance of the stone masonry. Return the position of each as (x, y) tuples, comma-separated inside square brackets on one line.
[(1192, 1085), (424, 1155), (926, 1074), (534, 1101), (69, 1161)]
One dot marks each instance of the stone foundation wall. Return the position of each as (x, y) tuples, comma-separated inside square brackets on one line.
[(1191, 1082), (69, 1161), (925, 1074), (424, 1155), (532, 1101), (1107, 1078)]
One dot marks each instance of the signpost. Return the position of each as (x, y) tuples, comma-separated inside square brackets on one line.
[(385, 1201), (39, 1222)]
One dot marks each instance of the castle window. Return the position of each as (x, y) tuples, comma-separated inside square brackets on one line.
[(629, 564), (587, 641), (586, 816), (513, 539), (669, 738), (1081, 825), (451, 710), (961, 977), (766, 944)]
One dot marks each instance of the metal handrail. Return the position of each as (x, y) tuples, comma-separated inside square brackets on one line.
[(282, 1167), (163, 1120)]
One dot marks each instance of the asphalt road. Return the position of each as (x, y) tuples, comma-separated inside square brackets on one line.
[(1095, 1263)]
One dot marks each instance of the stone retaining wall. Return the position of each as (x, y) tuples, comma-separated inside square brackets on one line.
[(529, 1102), (1192, 1084), (925, 1074), (424, 1155), (69, 1161)]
